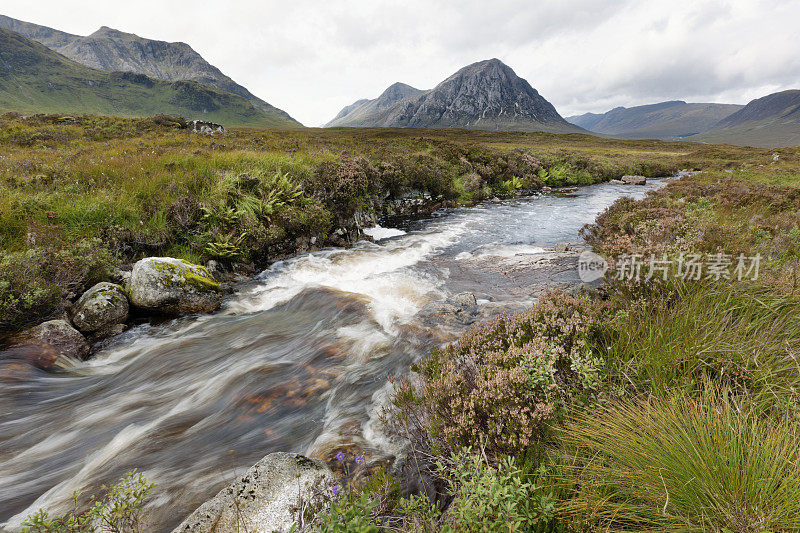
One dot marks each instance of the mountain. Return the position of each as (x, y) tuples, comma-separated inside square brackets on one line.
[(34, 78), (664, 120), (112, 50), (360, 113), (487, 95), (770, 121)]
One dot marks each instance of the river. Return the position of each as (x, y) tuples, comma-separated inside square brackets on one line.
[(296, 360)]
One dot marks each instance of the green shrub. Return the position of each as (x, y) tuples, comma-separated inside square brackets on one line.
[(683, 464), (497, 498), (502, 382), (119, 510)]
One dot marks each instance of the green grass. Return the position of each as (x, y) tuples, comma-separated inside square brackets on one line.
[(683, 464), (742, 335)]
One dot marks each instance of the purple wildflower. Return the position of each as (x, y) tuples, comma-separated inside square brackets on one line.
[(335, 490), (340, 456), (359, 459)]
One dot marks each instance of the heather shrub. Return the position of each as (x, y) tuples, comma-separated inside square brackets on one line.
[(344, 185), (502, 382), (428, 174), (34, 282), (682, 464)]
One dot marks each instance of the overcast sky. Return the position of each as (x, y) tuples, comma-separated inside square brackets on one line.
[(311, 58)]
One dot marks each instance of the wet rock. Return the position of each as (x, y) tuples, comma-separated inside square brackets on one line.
[(465, 300), (561, 247), (101, 307), (264, 499), (458, 310), (58, 335), (617, 182), (173, 286), (634, 180), (16, 361)]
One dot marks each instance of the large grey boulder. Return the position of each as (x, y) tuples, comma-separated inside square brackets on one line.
[(265, 499), (634, 180), (173, 286), (59, 335), (102, 306)]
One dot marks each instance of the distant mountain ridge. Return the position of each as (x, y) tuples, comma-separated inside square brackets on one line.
[(769, 121), (34, 78), (113, 50), (663, 120), (487, 95)]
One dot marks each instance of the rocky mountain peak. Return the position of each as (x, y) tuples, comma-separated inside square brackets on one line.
[(485, 95)]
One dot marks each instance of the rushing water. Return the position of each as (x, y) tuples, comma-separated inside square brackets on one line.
[(297, 360)]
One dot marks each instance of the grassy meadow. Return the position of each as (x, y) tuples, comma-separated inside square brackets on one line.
[(666, 405)]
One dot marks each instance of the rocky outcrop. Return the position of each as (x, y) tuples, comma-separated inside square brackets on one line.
[(265, 499), (173, 286), (101, 307), (58, 335), (210, 128)]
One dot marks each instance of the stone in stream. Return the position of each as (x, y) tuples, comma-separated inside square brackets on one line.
[(265, 499), (52, 335), (173, 286), (634, 180), (458, 310), (101, 307)]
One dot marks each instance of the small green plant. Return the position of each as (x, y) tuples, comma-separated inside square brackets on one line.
[(226, 247), (118, 511), (513, 184), (350, 514)]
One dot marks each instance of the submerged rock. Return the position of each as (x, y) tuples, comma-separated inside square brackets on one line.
[(634, 180), (58, 335), (265, 499), (100, 307), (173, 286)]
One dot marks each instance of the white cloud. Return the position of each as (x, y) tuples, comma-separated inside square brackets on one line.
[(311, 57)]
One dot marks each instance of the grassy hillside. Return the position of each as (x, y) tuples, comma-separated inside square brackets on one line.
[(112, 50), (770, 121), (665, 120), (33, 78)]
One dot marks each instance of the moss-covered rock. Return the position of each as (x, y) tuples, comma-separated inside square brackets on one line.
[(173, 286), (103, 305)]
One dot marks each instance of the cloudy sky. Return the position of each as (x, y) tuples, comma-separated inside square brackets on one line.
[(312, 57)]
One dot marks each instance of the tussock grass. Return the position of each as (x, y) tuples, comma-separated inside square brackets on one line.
[(744, 335), (683, 464)]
